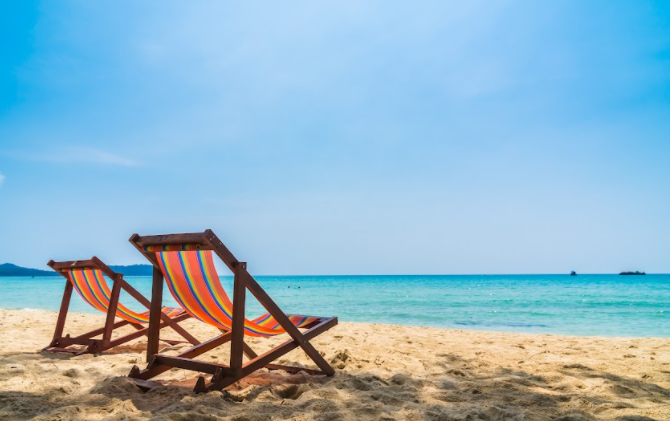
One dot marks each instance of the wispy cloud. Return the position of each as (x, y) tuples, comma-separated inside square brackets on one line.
[(96, 156), (75, 154), (2, 178)]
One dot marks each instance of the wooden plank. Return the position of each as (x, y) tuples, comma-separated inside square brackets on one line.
[(142, 300), (155, 314), (154, 370), (149, 256), (65, 342), (237, 324), (284, 321), (85, 338), (193, 365), (221, 250), (171, 342), (124, 284), (127, 338), (71, 264), (64, 306), (169, 321), (248, 351), (111, 310), (206, 346), (96, 332), (138, 333), (152, 258), (271, 355), (265, 359), (169, 239), (180, 330)]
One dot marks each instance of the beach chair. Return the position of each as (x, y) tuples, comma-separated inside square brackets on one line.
[(86, 277), (185, 262)]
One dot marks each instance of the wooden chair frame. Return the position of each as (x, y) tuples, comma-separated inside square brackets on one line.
[(223, 375), (60, 343)]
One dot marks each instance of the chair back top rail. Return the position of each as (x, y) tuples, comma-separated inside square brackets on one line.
[(71, 264), (169, 239), (92, 263), (148, 245)]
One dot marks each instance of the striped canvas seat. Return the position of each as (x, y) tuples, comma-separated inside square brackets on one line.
[(193, 282), (92, 287)]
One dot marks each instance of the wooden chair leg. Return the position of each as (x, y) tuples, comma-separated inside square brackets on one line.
[(237, 324), (248, 351), (290, 328), (155, 314), (62, 314), (111, 311)]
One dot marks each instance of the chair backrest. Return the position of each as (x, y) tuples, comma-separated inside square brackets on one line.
[(92, 287), (192, 279)]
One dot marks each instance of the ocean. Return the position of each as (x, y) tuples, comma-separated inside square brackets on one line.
[(584, 305)]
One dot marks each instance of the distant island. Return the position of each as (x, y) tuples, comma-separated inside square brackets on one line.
[(637, 272), (8, 269)]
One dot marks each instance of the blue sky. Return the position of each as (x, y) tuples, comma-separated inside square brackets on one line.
[(340, 137)]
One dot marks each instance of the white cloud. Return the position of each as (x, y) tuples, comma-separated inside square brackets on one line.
[(81, 155), (97, 156), (2, 179)]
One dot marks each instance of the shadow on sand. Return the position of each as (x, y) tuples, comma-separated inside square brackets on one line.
[(453, 391)]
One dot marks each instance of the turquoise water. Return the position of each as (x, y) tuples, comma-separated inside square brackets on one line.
[(602, 305)]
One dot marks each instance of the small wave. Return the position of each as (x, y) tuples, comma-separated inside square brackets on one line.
[(472, 323)]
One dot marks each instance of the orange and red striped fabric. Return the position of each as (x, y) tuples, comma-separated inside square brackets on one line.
[(91, 285), (194, 284)]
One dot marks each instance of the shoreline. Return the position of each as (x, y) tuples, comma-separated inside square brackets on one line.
[(382, 372), (97, 313)]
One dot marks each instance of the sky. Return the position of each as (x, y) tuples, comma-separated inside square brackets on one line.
[(340, 137)]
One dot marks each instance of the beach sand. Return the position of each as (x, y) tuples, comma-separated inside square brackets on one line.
[(384, 372)]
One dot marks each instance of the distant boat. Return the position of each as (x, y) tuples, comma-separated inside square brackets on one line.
[(637, 272), (573, 273)]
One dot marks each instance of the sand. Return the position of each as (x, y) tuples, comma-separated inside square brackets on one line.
[(384, 372)]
